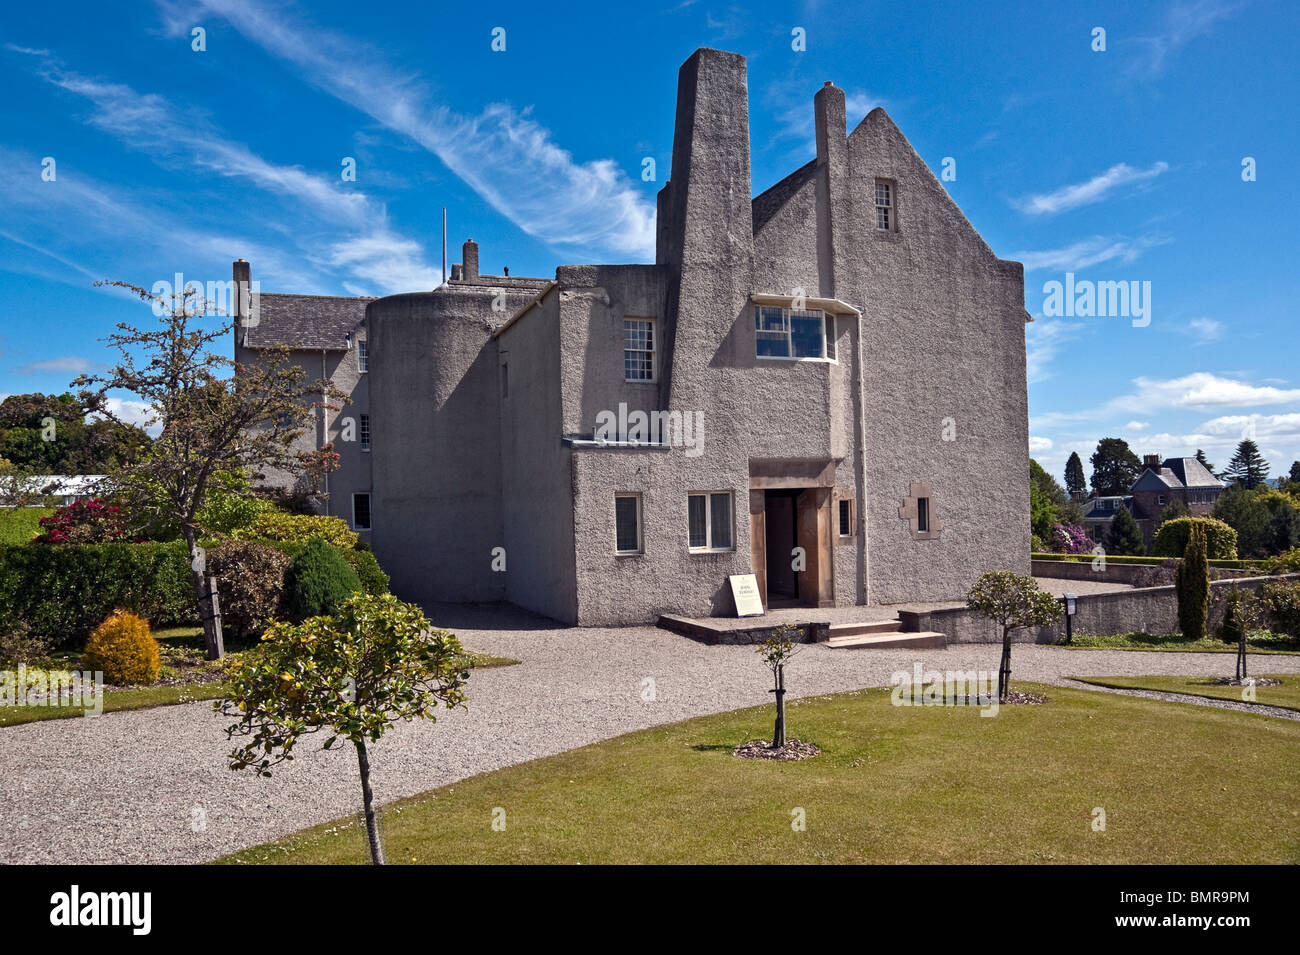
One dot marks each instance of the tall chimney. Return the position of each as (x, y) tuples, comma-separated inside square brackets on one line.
[(1151, 461), (469, 261), (832, 187)]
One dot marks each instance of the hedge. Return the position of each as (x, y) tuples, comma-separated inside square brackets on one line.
[(1238, 564), (1171, 538), (63, 591), (18, 525)]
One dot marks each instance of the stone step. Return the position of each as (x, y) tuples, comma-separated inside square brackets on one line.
[(925, 640), (863, 629)]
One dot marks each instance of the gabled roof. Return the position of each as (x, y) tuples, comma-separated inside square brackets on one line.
[(1191, 472), (1154, 479), (313, 322)]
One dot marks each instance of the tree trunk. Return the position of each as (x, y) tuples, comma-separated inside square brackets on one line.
[(368, 797), (213, 641), (1241, 655), (1004, 670), (778, 731)]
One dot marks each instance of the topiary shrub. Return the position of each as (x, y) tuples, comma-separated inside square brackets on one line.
[(251, 581), (320, 580), (1171, 538), (1192, 581), (124, 650)]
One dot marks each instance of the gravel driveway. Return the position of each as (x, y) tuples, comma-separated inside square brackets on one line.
[(128, 787)]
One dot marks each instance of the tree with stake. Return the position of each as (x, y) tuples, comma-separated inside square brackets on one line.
[(356, 674), (776, 652), (210, 423), (1013, 602)]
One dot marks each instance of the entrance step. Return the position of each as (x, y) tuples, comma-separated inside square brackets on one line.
[(885, 640), (865, 629)]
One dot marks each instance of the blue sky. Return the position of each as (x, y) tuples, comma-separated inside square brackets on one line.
[(1117, 165)]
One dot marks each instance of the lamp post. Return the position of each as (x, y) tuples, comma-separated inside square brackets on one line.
[(1070, 602)]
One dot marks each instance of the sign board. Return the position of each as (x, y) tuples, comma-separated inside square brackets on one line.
[(744, 590)]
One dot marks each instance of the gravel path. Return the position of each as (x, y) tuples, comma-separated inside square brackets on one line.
[(129, 786), (1240, 705)]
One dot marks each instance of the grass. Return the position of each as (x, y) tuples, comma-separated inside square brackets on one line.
[(1287, 695), (186, 677), (1261, 641), (18, 525), (1178, 783)]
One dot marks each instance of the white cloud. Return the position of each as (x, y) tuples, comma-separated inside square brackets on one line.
[(1205, 330), (1044, 339), (1088, 252), (1085, 193), (1137, 425), (503, 155), (1037, 444), (135, 412), (1205, 390), (69, 364), (1184, 22)]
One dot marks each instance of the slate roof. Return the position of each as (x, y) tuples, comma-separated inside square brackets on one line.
[(1191, 472), (1093, 509), (1153, 480), (306, 321)]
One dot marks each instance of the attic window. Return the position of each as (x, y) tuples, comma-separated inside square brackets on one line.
[(884, 205)]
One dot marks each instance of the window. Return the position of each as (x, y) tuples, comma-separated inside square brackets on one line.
[(361, 512), (627, 523), (638, 349), (922, 515), (884, 205), (710, 521), (365, 432), (363, 356), (846, 517), (1160, 499), (793, 333)]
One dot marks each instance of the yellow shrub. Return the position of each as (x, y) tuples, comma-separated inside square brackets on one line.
[(124, 649)]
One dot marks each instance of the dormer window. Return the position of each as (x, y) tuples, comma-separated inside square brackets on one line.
[(885, 218), (793, 333)]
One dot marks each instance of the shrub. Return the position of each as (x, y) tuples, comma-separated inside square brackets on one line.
[(1071, 539), (273, 525), (1233, 628), (1279, 603), (320, 580), (83, 522), (61, 593), (373, 579), (17, 645), (1160, 575), (251, 581), (1124, 536), (1284, 563), (18, 525), (1193, 583), (124, 649), (1171, 539)]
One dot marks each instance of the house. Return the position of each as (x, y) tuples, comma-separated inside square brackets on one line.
[(1159, 485), (58, 490), (817, 385)]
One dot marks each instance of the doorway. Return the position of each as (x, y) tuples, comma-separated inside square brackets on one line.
[(781, 520)]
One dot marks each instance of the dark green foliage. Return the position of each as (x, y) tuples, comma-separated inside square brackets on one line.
[(1192, 582), (1248, 467), (1171, 538), (1295, 472), (79, 447), (18, 525), (1200, 456), (1045, 500), (1233, 628), (320, 580), (251, 581), (62, 592), (1175, 509), (1278, 602), (1114, 468), (373, 579), (1124, 536), (1076, 484)]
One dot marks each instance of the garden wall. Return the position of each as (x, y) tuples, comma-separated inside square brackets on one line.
[(1151, 610), (1117, 573)]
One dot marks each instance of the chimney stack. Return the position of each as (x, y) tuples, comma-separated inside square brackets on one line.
[(1151, 461), (469, 261), (242, 273)]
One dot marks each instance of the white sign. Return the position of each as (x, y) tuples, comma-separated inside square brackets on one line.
[(744, 590)]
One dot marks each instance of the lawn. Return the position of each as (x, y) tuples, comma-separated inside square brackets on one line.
[(1260, 642), (187, 676), (1287, 695), (18, 525), (1178, 784)]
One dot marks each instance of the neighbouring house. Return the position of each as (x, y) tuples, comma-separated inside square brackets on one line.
[(58, 490), (817, 385), (1159, 485)]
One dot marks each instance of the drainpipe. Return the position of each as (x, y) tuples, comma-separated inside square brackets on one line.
[(324, 426)]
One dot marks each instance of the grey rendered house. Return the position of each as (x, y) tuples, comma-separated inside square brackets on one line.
[(822, 385)]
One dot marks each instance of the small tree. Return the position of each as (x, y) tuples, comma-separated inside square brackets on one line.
[(1124, 538), (379, 661), (1192, 581), (1076, 484), (210, 423), (1235, 626), (1013, 602), (776, 652)]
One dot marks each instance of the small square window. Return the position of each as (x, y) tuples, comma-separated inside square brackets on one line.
[(363, 356), (361, 512), (710, 522), (627, 523)]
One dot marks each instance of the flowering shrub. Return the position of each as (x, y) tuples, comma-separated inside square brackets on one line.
[(83, 522), (1071, 539)]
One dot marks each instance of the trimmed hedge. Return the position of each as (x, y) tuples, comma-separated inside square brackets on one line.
[(63, 591), (319, 581), (18, 525), (1171, 538), (1236, 564)]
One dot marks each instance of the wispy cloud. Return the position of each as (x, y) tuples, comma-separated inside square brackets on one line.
[(1205, 330), (1085, 193), (789, 101), (505, 156), (69, 364), (1088, 252), (1182, 23), (1044, 340)]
